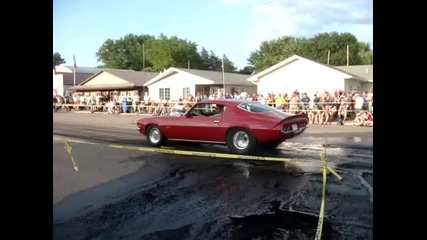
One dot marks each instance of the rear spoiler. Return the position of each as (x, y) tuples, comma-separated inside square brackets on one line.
[(297, 117)]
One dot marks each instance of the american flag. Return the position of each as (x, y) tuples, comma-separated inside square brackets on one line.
[(75, 64)]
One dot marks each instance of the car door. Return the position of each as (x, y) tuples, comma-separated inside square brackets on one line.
[(202, 125)]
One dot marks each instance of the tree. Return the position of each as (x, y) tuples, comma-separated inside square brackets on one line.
[(336, 44), (315, 48), (228, 65), (173, 52), (247, 70), (365, 54), (153, 54), (57, 60), (125, 53), (205, 62), (272, 52)]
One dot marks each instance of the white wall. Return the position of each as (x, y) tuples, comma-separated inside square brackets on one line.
[(63, 69), (58, 83), (241, 88), (176, 83), (105, 78), (303, 75)]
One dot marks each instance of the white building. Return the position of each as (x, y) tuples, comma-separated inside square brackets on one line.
[(179, 82), (304, 75), (64, 77)]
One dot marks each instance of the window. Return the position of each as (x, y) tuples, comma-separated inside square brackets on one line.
[(164, 93), (208, 110), (255, 107), (185, 92)]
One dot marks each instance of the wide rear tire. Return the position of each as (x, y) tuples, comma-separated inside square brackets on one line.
[(241, 141)]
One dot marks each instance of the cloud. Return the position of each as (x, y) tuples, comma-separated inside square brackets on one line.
[(306, 18)]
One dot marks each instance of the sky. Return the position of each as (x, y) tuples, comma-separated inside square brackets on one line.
[(235, 28)]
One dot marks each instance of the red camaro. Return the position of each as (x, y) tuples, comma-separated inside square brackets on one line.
[(241, 125)]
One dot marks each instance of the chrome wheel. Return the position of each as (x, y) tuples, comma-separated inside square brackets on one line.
[(241, 140), (155, 135)]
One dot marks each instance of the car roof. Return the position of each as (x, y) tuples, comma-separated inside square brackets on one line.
[(225, 101)]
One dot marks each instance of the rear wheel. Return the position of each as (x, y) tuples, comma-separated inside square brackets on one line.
[(155, 136), (241, 141)]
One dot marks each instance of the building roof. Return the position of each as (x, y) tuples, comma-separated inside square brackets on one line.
[(213, 76), (348, 70), (363, 71), (80, 77), (230, 78), (135, 79), (88, 70)]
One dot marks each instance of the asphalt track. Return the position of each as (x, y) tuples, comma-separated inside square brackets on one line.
[(127, 194)]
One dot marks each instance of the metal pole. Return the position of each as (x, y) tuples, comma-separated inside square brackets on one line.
[(348, 58), (143, 68), (74, 69), (223, 75), (143, 57)]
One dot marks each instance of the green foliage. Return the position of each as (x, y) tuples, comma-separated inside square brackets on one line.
[(147, 52), (125, 53), (57, 60), (315, 48)]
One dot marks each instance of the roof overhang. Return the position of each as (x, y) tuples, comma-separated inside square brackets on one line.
[(104, 87), (171, 71), (255, 78)]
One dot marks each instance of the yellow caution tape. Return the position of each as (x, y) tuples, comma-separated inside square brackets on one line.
[(68, 149), (206, 154), (324, 159), (322, 208)]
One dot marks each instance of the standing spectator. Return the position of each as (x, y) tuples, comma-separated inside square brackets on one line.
[(279, 101), (294, 102), (305, 101), (316, 101)]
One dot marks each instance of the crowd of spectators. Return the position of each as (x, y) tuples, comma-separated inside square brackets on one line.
[(322, 108)]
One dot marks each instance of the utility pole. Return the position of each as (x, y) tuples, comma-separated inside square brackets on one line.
[(143, 67), (223, 75), (348, 53), (143, 57), (74, 69), (329, 55)]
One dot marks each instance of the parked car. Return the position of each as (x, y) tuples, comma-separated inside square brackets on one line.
[(240, 124)]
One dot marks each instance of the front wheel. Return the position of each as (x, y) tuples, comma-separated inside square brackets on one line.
[(241, 141), (155, 136)]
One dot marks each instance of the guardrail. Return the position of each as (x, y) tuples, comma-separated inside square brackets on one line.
[(146, 108)]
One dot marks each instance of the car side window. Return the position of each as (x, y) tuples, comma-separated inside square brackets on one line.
[(207, 110), (200, 109), (217, 110)]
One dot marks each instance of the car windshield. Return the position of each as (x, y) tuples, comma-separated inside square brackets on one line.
[(255, 107)]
